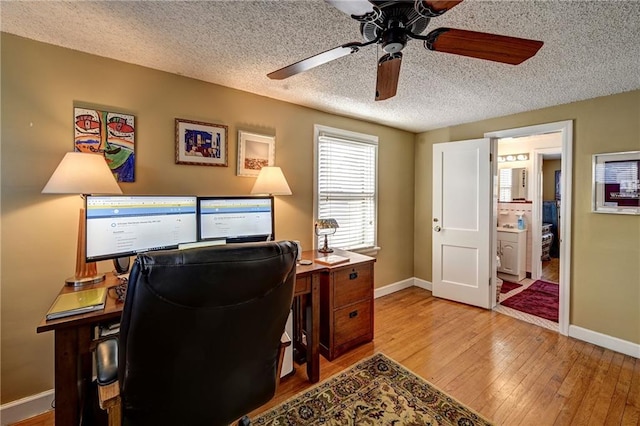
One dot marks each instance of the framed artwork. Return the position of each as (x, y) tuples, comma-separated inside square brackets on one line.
[(201, 144), (255, 152), (616, 182), (111, 134)]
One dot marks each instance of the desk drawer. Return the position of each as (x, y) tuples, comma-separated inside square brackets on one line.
[(303, 285), (353, 323), (352, 284)]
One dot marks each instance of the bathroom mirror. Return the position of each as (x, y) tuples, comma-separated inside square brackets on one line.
[(513, 184)]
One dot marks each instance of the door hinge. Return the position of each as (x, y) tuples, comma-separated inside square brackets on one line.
[(490, 157)]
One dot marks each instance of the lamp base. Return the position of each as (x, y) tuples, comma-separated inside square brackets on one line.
[(325, 248), (86, 273), (82, 281)]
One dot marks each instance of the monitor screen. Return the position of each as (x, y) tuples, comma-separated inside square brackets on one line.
[(236, 219), (123, 225)]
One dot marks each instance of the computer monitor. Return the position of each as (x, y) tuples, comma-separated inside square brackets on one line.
[(124, 225), (236, 219)]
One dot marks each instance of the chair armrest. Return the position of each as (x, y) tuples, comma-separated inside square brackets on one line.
[(106, 352), (107, 361)]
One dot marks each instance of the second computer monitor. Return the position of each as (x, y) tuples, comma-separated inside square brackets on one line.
[(236, 219)]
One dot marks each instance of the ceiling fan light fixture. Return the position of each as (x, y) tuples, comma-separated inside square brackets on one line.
[(391, 24), (394, 40)]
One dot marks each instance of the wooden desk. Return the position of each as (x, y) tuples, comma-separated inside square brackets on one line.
[(73, 336)]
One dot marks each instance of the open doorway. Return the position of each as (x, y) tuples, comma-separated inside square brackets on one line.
[(551, 163), (524, 152)]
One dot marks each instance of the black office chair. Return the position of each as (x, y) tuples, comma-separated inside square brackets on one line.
[(200, 335)]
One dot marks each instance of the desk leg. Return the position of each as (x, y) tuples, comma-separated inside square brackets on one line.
[(313, 338), (72, 366)]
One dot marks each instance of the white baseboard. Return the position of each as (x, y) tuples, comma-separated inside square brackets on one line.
[(606, 341), (423, 284), (24, 408), (401, 285), (392, 288)]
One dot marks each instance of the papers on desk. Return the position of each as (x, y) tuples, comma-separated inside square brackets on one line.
[(77, 302), (332, 259)]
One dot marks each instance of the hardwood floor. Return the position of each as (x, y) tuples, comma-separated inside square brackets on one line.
[(551, 270), (511, 372)]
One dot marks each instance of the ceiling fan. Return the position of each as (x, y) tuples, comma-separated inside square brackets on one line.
[(392, 24)]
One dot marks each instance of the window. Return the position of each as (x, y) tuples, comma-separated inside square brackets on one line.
[(346, 168), (505, 185)]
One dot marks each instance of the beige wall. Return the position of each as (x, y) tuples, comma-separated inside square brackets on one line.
[(605, 259), (549, 168), (41, 83)]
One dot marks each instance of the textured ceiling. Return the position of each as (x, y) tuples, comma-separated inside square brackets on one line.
[(591, 48)]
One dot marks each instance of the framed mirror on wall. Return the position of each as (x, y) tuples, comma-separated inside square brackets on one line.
[(512, 183)]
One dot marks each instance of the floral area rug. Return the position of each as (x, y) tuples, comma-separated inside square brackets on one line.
[(376, 391)]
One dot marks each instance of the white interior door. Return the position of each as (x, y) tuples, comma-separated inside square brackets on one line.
[(463, 222)]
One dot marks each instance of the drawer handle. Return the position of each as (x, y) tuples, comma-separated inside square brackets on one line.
[(353, 314), (353, 275)]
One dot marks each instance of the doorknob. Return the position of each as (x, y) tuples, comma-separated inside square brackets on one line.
[(437, 228)]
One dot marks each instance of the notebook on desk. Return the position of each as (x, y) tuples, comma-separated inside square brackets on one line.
[(332, 259), (77, 302)]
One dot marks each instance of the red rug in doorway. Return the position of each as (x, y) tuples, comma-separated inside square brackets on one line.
[(539, 299), (507, 286)]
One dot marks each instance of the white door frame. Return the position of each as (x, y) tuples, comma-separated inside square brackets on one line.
[(566, 130), (536, 214)]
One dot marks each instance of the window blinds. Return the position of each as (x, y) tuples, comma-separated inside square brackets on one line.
[(505, 184), (347, 190)]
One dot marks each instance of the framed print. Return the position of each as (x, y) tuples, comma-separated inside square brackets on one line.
[(201, 144), (616, 183), (110, 134), (255, 152)]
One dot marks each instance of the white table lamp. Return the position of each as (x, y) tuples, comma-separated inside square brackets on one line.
[(82, 173), (271, 181)]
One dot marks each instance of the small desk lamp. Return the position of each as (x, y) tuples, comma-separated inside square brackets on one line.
[(271, 181), (326, 227), (82, 173)]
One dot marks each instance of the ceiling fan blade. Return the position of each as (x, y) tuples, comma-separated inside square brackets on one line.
[(433, 8), (314, 61), (492, 47), (388, 74), (353, 8)]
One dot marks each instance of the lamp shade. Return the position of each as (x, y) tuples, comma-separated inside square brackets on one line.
[(82, 173), (327, 223), (271, 181)]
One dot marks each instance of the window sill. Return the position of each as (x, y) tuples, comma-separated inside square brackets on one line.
[(369, 251)]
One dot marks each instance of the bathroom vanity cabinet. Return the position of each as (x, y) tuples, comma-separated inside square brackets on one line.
[(512, 249)]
